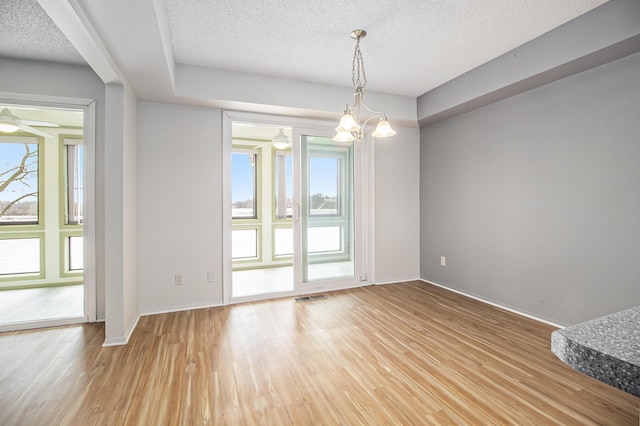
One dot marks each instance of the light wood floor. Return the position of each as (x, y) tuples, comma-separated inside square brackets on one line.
[(398, 354), (35, 304)]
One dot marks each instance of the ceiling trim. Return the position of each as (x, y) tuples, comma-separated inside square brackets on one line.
[(569, 49), (74, 24)]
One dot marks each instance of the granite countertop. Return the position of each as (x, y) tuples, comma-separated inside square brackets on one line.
[(607, 349)]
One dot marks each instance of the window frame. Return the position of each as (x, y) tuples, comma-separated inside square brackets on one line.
[(26, 276), (342, 184), (242, 149), (63, 167), (24, 138), (282, 257), (248, 261), (276, 174)]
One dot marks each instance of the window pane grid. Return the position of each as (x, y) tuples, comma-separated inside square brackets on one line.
[(244, 243), (244, 185), (75, 184), (19, 256), (283, 186), (75, 253), (19, 186)]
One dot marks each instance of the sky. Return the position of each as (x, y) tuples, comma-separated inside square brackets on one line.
[(323, 176), (10, 156)]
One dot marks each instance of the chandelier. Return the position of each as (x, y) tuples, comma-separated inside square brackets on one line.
[(281, 141), (351, 127)]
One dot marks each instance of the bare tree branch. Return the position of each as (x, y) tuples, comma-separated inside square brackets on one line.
[(20, 170), (17, 200)]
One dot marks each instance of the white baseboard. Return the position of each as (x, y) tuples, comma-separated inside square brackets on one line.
[(489, 302), (132, 327), (114, 341), (399, 280), (30, 325), (179, 308), (120, 341)]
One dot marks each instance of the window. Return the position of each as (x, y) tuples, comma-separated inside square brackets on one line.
[(244, 243), (324, 188), (74, 190), (283, 185), (283, 242), (244, 184), (19, 256), (75, 255), (325, 239), (19, 186)]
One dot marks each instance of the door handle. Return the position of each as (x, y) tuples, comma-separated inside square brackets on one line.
[(298, 212)]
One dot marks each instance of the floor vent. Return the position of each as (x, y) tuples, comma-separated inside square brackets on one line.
[(310, 298)]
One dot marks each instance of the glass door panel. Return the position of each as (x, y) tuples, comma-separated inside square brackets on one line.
[(326, 209), (261, 213)]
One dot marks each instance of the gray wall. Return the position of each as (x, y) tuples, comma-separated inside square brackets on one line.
[(535, 200)]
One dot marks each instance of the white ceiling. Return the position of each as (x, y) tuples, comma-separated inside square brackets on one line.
[(412, 46), (27, 32)]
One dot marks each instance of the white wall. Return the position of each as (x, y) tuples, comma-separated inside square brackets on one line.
[(272, 95), (34, 80), (179, 206), (131, 311), (121, 301), (175, 151), (397, 207)]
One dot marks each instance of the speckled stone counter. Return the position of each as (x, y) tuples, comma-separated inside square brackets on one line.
[(607, 349)]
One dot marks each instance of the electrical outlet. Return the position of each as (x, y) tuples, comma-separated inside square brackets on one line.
[(179, 279), (443, 261)]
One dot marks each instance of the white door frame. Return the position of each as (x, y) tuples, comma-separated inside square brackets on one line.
[(363, 181), (88, 107)]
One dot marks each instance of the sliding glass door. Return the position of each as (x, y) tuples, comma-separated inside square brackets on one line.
[(295, 212), (326, 209)]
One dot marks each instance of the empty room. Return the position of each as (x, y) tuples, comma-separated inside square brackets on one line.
[(292, 213)]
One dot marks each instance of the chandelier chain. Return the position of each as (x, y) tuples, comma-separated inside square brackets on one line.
[(358, 75), (352, 126)]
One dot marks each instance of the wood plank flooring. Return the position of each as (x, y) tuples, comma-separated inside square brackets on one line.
[(407, 353)]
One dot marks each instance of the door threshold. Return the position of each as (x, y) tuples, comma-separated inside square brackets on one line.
[(43, 323)]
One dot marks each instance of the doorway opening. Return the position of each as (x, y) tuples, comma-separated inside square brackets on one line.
[(294, 209), (42, 216), (261, 197)]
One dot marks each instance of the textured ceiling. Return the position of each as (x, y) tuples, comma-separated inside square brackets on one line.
[(27, 32), (412, 46)]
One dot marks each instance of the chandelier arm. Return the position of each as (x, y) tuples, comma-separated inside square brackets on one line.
[(359, 102), (380, 113), (369, 119)]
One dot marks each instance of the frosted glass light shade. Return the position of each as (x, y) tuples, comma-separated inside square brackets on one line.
[(281, 141), (347, 124), (281, 144), (383, 130), (8, 127), (343, 137)]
